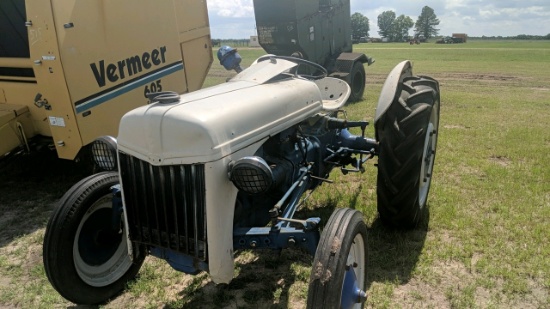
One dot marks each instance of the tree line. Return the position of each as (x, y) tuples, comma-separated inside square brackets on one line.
[(515, 37), (396, 28)]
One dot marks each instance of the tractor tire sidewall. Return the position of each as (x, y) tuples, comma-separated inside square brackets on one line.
[(59, 240), (357, 82), (402, 134), (327, 273)]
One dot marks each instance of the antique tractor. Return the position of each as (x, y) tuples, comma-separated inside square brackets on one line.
[(204, 174)]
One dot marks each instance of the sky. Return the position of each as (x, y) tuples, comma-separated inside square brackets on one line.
[(234, 19)]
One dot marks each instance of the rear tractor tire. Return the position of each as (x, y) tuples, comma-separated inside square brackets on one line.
[(407, 135)]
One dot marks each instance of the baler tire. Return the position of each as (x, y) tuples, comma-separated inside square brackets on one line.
[(343, 246), (357, 82), (407, 134), (84, 259)]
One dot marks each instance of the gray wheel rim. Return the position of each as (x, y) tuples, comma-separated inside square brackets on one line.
[(428, 156), (110, 271), (357, 257)]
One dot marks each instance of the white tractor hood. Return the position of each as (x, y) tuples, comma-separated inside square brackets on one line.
[(209, 124)]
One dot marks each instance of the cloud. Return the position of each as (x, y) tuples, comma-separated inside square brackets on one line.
[(235, 18), (231, 8), (475, 17), (231, 19)]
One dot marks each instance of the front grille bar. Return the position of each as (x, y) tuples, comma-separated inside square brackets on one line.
[(165, 205)]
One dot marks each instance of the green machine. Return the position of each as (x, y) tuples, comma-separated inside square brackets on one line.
[(315, 30)]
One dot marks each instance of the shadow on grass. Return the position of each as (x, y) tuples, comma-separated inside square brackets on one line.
[(264, 282), (264, 279), (393, 254), (30, 186)]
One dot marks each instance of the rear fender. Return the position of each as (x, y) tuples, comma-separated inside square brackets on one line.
[(392, 88)]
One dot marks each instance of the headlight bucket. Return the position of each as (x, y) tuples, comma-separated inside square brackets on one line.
[(104, 152), (251, 175)]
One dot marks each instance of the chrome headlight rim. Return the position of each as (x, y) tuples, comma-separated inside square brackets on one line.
[(251, 174), (104, 153)]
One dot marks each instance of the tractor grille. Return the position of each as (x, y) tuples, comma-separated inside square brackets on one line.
[(165, 205)]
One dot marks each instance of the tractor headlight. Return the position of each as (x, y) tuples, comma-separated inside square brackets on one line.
[(251, 175), (104, 153)]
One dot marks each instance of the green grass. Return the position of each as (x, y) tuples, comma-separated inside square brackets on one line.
[(485, 244)]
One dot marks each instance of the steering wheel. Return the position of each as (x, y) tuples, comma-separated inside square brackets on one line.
[(299, 61)]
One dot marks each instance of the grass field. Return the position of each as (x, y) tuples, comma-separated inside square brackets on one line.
[(486, 244)]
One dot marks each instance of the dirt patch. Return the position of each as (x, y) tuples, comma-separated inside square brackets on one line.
[(376, 78), (413, 295), (539, 294), (451, 126), (477, 76), (5, 282), (500, 160), (444, 77)]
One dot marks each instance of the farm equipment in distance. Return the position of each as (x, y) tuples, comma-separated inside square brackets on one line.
[(455, 38)]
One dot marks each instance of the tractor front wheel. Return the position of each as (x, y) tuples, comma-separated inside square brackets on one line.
[(85, 247), (338, 276)]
